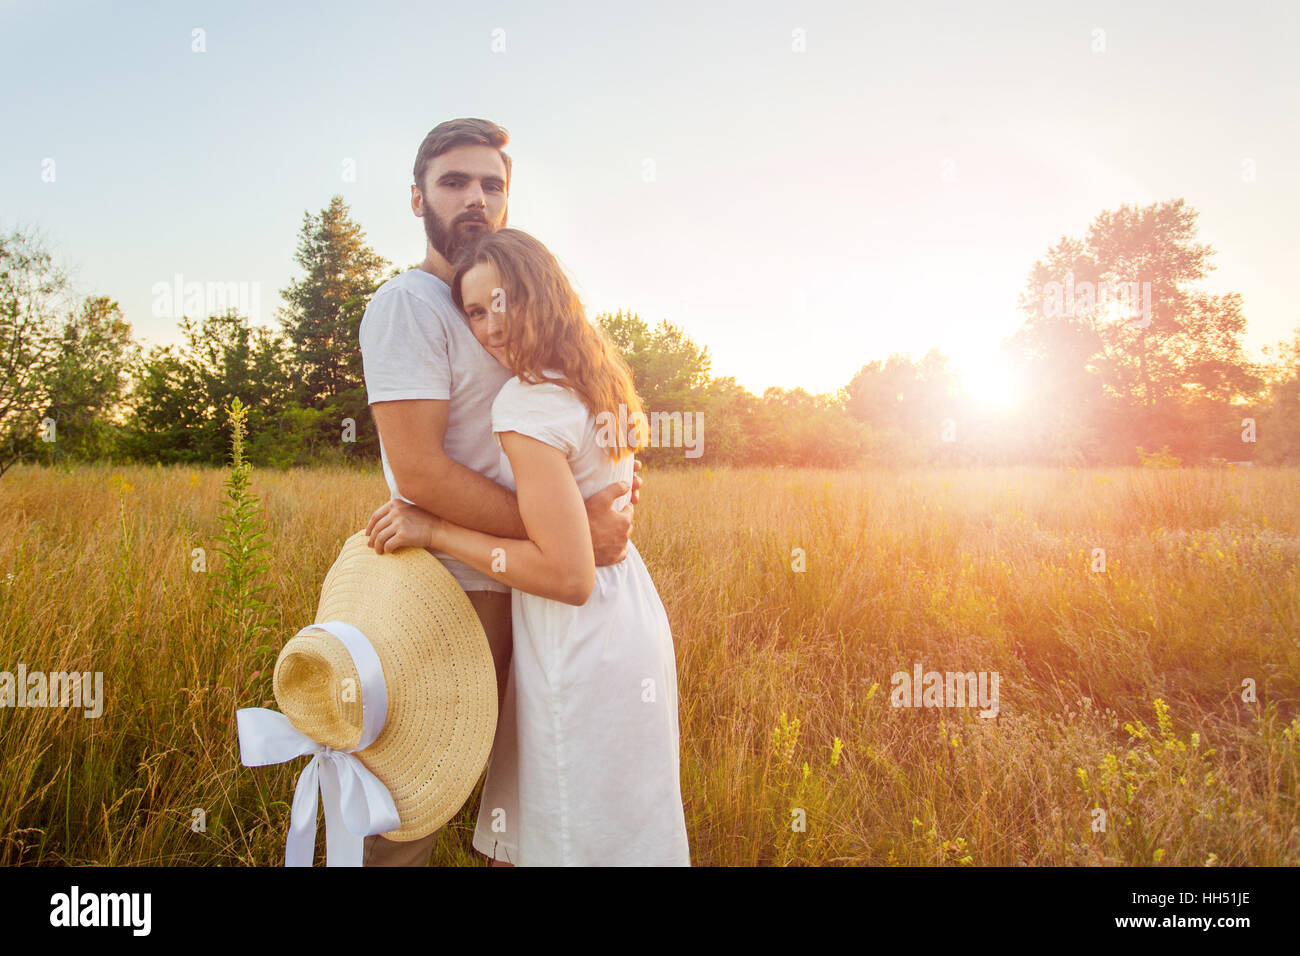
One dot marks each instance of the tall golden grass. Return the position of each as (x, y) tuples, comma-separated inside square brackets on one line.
[(1120, 691)]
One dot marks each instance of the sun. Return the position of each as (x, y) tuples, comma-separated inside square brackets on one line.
[(992, 383)]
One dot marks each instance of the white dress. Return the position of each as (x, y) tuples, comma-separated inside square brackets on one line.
[(585, 768)]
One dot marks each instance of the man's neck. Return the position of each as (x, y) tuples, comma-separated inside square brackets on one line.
[(435, 264)]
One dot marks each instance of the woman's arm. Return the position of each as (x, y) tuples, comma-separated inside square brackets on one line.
[(556, 561)]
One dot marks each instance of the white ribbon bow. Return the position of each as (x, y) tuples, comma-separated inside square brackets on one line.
[(357, 805)]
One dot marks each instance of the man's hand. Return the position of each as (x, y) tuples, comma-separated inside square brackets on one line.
[(609, 528)]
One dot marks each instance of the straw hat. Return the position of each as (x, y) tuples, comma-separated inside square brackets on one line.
[(438, 673)]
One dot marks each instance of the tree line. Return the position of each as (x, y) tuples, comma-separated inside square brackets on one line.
[(1119, 351)]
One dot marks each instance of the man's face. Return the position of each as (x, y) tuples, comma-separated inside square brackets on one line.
[(464, 197)]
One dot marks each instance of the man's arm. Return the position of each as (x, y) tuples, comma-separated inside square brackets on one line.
[(413, 433)]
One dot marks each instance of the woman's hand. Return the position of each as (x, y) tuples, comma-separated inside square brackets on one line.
[(637, 481), (399, 524)]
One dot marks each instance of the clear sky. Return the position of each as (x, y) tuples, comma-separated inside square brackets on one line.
[(832, 181)]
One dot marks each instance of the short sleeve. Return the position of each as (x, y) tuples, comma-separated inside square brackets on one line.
[(403, 348), (548, 412)]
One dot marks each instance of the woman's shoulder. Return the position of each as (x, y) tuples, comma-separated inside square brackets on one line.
[(553, 393), (547, 411)]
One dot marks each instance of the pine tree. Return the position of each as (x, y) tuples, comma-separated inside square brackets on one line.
[(325, 306)]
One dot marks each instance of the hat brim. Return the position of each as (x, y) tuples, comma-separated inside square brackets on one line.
[(438, 673)]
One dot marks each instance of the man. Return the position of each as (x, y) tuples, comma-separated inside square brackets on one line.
[(430, 386)]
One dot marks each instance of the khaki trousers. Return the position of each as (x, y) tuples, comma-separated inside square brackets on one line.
[(493, 609)]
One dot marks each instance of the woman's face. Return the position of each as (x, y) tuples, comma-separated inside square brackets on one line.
[(485, 308)]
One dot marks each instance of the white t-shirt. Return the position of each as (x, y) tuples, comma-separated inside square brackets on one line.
[(556, 416), (416, 344)]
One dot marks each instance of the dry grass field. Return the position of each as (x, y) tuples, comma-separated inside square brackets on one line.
[(1163, 690)]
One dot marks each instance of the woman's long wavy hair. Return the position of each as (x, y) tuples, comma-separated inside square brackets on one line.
[(546, 327)]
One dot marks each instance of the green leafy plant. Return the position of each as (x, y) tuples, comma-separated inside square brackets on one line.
[(243, 545)]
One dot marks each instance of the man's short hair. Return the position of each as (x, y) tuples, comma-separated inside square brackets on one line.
[(460, 132)]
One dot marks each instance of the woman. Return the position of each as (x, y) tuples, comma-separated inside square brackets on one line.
[(585, 769)]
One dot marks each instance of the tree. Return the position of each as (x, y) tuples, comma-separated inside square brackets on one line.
[(1159, 362), (1277, 425), (88, 378), (666, 365), (905, 403), (728, 413), (33, 294), (323, 322), (180, 394), (325, 307), (1064, 419), (670, 373), (792, 427)]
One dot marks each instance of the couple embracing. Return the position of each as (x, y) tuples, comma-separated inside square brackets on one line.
[(486, 381)]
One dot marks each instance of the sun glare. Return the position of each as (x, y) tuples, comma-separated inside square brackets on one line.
[(992, 383)]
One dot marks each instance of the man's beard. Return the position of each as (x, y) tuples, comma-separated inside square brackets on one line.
[(451, 243)]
